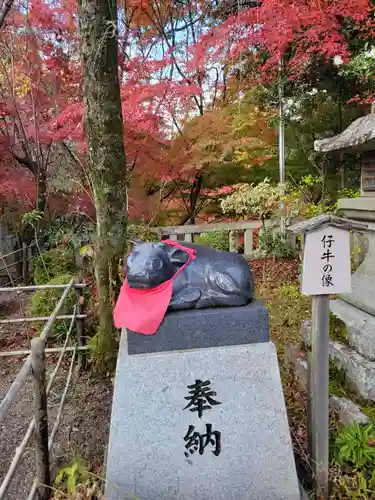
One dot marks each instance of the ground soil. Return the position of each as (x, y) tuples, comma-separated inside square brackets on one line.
[(84, 427)]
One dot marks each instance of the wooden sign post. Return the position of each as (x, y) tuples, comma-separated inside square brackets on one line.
[(326, 271)]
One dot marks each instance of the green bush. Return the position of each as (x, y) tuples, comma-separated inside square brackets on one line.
[(290, 292), (217, 239), (43, 302), (53, 263), (142, 232), (273, 244)]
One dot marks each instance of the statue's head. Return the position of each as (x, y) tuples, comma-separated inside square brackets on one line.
[(151, 264)]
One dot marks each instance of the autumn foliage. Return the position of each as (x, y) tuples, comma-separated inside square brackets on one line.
[(178, 67), (296, 31)]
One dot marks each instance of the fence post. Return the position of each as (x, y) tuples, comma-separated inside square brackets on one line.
[(25, 264), (19, 257), (233, 241), (248, 243), (80, 326), (319, 380), (41, 418)]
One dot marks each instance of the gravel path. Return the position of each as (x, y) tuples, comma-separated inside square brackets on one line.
[(84, 427)]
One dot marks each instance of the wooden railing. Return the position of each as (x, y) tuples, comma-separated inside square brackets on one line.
[(35, 365), (235, 229), (14, 265)]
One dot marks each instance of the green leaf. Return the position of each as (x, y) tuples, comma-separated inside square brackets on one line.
[(60, 477), (71, 484), (86, 250)]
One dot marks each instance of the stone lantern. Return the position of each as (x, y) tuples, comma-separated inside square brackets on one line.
[(359, 137), (357, 309)]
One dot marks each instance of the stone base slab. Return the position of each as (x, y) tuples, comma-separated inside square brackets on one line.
[(359, 370), (349, 413), (360, 327)]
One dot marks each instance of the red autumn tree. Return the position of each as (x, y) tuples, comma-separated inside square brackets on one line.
[(296, 31), (166, 31), (38, 77)]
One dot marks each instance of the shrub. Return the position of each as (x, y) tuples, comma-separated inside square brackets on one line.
[(142, 232), (53, 263), (273, 244), (43, 303), (217, 239), (69, 230), (260, 200), (72, 476), (290, 292)]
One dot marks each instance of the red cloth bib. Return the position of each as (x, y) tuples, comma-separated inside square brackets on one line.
[(143, 310)]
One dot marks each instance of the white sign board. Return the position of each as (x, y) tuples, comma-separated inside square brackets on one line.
[(326, 262)]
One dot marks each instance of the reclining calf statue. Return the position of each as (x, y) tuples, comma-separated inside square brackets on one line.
[(213, 278), (182, 276)]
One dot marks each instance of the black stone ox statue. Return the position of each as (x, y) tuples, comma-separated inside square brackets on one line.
[(214, 278)]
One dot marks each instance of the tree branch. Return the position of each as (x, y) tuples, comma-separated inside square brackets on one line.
[(28, 163), (5, 8)]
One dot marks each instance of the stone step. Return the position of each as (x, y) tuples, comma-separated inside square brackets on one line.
[(360, 371), (349, 413), (360, 327)]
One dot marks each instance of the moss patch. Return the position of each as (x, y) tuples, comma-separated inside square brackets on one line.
[(53, 263), (337, 330), (286, 313), (369, 411), (338, 385), (43, 303)]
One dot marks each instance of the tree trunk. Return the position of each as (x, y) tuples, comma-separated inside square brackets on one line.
[(193, 200), (39, 171), (106, 155), (41, 201)]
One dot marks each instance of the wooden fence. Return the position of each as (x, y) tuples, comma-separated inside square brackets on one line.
[(236, 229), (15, 261), (35, 365)]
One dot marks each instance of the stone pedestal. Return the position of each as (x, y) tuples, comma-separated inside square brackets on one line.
[(199, 421), (198, 328)]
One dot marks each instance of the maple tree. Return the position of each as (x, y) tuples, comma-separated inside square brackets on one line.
[(175, 60), (36, 79), (302, 33), (295, 31), (221, 147), (166, 31)]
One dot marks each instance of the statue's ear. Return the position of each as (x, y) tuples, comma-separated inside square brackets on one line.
[(160, 244), (178, 257)]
